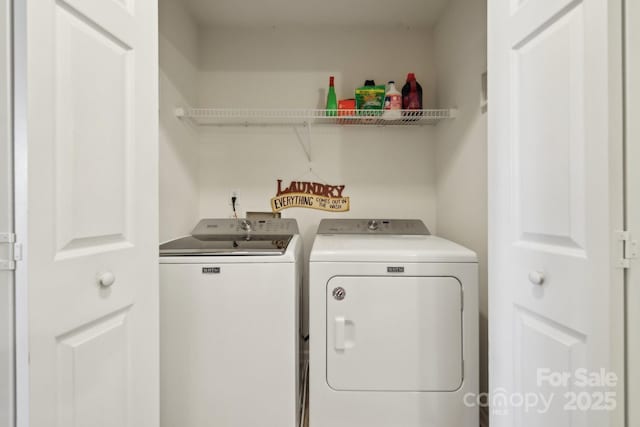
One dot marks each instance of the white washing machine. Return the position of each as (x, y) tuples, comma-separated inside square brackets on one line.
[(230, 325), (393, 327)]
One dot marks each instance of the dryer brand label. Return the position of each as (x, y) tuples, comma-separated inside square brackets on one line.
[(210, 270), (395, 269)]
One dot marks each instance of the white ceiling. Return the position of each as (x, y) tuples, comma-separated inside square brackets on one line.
[(389, 13)]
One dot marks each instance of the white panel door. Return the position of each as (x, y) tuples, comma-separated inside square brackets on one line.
[(87, 177), (394, 333), (556, 299)]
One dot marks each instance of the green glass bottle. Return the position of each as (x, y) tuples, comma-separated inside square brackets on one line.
[(332, 101)]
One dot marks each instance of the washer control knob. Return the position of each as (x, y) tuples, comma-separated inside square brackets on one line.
[(245, 225), (339, 293), (372, 225)]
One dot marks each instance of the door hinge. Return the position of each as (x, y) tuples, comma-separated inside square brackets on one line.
[(630, 248), (13, 254)]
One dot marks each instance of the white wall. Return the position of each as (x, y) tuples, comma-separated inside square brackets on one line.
[(461, 154), (388, 172), (290, 67), (179, 191)]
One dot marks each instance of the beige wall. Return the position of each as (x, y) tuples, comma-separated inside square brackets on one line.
[(179, 189), (461, 153)]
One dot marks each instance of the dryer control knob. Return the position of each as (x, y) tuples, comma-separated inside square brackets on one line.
[(339, 293), (373, 225)]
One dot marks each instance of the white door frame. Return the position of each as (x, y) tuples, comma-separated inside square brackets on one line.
[(20, 210), (632, 138), (7, 362)]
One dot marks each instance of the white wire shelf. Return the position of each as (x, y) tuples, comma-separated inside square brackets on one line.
[(266, 117)]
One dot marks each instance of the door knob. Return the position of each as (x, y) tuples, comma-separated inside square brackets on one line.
[(536, 277), (106, 279)]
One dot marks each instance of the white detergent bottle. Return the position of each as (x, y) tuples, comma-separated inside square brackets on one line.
[(392, 103)]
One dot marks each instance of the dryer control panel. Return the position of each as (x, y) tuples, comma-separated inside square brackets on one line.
[(401, 227)]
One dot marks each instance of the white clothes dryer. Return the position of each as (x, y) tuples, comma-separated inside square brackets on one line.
[(393, 327)]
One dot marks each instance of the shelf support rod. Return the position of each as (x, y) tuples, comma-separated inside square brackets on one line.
[(304, 138)]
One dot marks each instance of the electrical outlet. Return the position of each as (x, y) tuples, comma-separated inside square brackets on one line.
[(230, 202), (234, 206)]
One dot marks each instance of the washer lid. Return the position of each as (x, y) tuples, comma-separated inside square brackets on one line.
[(192, 246), (405, 227), (224, 236)]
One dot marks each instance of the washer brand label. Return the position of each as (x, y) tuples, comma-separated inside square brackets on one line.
[(210, 270), (395, 269)]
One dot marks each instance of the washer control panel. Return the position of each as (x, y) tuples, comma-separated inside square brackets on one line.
[(407, 227), (214, 227)]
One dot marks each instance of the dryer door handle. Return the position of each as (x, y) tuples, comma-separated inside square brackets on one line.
[(339, 333)]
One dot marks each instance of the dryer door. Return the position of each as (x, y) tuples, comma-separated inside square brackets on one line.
[(394, 333)]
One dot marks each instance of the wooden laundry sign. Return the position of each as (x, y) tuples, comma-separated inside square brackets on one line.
[(310, 195)]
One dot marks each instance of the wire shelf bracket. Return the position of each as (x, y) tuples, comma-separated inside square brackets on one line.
[(304, 138)]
